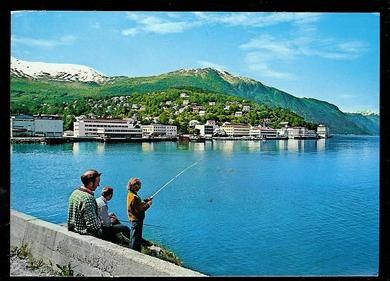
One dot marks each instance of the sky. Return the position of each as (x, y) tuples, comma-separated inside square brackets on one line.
[(332, 57)]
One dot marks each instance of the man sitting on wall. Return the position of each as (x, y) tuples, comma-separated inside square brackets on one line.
[(116, 231), (83, 215)]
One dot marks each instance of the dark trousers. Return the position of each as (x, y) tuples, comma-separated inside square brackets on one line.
[(136, 235), (111, 232)]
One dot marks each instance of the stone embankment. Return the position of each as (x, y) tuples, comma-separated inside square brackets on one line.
[(85, 255)]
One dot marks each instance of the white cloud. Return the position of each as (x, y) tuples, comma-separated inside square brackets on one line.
[(260, 62), (171, 23), (164, 23), (203, 63), (256, 19), (64, 40), (279, 48), (307, 44), (130, 31)]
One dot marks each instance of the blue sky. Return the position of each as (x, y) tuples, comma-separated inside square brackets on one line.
[(328, 56)]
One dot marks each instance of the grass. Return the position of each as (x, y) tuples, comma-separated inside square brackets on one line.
[(163, 254)]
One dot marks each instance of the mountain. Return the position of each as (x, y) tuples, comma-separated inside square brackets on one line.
[(205, 79), (370, 122), (55, 71)]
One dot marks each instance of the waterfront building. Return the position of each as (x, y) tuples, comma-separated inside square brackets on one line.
[(236, 130), (205, 130), (263, 132), (159, 130), (282, 132), (218, 131), (48, 126), (323, 131), (22, 125), (36, 126), (300, 132), (106, 128)]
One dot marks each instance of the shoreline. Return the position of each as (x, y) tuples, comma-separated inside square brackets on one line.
[(61, 140)]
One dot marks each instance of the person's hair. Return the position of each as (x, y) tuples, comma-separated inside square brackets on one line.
[(132, 182), (89, 176), (107, 190)]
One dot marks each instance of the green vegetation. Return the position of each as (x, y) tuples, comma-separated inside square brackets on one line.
[(168, 107), (161, 253), (70, 99), (65, 270)]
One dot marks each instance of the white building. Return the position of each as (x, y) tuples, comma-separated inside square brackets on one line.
[(111, 128), (159, 130), (246, 108), (238, 114), (36, 126), (205, 130), (236, 130), (300, 133), (323, 131), (263, 132)]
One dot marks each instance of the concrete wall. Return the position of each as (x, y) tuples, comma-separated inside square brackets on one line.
[(87, 255)]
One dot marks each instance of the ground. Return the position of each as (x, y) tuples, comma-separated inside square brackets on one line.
[(20, 267)]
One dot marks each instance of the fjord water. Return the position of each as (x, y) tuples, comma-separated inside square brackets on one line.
[(275, 208)]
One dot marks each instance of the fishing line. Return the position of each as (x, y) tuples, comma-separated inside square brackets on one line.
[(124, 221), (172, 179)]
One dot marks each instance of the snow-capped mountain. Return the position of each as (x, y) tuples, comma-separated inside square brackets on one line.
[(55, 71)]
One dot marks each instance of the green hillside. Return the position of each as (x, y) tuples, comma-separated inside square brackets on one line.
[(30, 95)]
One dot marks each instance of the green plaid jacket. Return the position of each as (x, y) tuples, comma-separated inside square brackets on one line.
[(82, 213)]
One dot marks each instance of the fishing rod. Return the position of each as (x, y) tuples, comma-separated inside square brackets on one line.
[(172, 179)]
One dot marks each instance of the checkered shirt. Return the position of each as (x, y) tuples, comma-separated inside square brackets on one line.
[(82, 213)]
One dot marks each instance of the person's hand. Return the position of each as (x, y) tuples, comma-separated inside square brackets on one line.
[(148, 199), (149, 202)]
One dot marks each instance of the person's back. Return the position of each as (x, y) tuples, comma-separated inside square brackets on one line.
[(82, 217), (82, 209)]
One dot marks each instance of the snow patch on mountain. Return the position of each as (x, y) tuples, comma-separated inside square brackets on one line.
[(55, 71), (228, 77)]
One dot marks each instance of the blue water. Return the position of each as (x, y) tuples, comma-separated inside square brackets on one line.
[(279, 208)]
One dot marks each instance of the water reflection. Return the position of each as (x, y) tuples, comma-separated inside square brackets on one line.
[(199, 146), (100, 147), (147, 146), (76, 148)]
